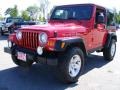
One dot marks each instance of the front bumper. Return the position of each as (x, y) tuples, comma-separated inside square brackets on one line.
[(5, 29), (31, 55)]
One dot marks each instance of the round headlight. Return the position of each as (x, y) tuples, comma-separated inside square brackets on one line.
[(19, 35), (43, 38)]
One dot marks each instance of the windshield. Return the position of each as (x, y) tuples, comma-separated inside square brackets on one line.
[(9, 20), (72, 12)]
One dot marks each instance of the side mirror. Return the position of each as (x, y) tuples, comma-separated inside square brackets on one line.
[(100, 19)]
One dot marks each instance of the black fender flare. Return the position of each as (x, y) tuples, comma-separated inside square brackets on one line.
[(110, 36), (70, 42)]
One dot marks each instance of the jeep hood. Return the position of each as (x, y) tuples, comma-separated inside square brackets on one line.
[(59, 28)]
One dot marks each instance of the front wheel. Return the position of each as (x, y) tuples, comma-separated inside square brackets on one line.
[(70, 65), (109, 52)]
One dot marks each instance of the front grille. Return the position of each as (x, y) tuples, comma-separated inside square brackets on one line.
[(29, 40)]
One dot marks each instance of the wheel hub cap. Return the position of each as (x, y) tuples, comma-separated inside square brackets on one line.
[(113, 48), (74, 66)]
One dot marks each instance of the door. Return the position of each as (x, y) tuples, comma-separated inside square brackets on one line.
[(99, 28)]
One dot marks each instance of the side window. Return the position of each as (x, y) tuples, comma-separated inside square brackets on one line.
[(110, 18), (100, 12), (111, 24)]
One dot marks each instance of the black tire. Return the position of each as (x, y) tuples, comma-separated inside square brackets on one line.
[(63, 66), (19, 62), (10, 30), (1, 32), (107, 51)]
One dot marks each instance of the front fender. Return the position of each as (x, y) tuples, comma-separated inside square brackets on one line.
[(12, 38), (62, 44)]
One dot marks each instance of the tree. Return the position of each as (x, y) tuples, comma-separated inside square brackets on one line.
[(1, 17), (33, 12), (117, 16), (8, 11), (25, 15), (13, 12), (44, 4)]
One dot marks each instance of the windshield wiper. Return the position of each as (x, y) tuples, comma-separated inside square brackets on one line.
[(72, 18), (56, 18)]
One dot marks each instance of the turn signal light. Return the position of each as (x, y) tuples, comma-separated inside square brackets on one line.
[(63, 44), (51, 43)]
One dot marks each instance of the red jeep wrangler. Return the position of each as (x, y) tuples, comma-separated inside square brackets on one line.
[(72, 32)]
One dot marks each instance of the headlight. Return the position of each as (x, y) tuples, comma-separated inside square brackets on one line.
[(9, 44), (19, 35), (43, 38)]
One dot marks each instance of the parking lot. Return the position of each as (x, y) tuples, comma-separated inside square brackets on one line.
[(98, 74)]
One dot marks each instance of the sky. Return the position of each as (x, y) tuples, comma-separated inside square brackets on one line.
[(23, 4)]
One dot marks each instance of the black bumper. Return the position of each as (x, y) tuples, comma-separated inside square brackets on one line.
[(31, 55)]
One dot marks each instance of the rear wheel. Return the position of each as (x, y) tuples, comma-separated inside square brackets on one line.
[(19, 62), (70, 66), (109, 52)]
